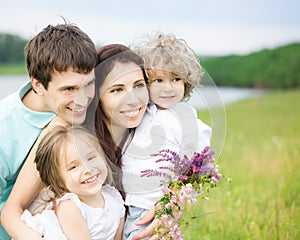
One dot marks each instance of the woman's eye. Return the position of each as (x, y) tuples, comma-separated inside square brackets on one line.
[(140, 85), (116, 90)]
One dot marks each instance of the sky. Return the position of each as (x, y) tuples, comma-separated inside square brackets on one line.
[(210, 27)]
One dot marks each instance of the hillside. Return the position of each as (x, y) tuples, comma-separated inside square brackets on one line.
[(269, 68)]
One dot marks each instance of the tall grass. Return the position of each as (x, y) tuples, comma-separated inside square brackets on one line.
[(262, 156)]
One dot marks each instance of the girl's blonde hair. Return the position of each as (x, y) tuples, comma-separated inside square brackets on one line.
[(51, 151), (166, 52)]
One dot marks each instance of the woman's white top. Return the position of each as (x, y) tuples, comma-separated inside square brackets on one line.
[(177, 129), (102, 223)]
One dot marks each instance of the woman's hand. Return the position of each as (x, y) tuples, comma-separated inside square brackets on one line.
[(147, 218)]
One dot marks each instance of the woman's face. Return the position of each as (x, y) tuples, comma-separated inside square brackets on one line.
[(124, 96)]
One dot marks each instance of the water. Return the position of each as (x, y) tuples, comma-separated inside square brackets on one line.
[(202, 97)]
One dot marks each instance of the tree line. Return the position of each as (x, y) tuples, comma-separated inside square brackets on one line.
[(268, 68), (11, 49)]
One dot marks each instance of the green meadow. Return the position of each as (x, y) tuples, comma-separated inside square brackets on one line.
[(261, 156)]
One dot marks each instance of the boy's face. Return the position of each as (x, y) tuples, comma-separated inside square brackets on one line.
[(166, 89), (69, 94)]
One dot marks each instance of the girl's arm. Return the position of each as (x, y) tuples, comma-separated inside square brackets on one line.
[(71, 221), (119, 232), (26, 188)]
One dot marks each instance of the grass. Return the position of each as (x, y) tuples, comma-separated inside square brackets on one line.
[(13, 69), (261, 155)]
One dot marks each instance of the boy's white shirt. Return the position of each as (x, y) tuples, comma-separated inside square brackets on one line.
[(177, 129)]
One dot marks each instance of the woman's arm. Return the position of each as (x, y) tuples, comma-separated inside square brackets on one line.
[(71, 221), (119, 233), (27, 186)]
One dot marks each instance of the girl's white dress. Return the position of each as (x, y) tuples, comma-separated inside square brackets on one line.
[(102, 222)]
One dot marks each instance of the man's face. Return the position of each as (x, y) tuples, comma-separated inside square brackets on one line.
[(69, 94)]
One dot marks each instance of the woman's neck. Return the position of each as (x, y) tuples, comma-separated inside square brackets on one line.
[(117, 133)]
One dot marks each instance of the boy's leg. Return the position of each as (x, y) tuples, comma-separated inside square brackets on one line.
[(130, 229)]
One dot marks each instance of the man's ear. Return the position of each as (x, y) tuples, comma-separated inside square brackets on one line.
[(37, 87)]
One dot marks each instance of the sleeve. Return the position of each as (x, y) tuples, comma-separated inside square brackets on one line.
[(195, 134), (74, 198), (3, 182), (33, 222), (204, 135), (117, 197)]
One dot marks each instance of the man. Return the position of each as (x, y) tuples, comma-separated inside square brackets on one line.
[(60, 62)]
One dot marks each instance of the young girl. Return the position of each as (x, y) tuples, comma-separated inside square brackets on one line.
[(73, 167), (173, 70)]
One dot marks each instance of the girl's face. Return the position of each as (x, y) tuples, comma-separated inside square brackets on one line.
[(84, 170), (166, 89), (124, 96)]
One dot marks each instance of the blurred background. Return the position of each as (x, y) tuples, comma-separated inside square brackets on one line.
[(250, 94)]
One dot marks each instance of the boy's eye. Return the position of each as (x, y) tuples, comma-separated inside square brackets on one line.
[(157, 80), (176, 79)]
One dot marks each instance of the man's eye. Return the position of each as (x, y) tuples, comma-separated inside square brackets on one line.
[(69, 89), (90, 83)]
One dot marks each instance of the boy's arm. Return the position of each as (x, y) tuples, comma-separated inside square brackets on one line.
[(119, 233), (71, 221)]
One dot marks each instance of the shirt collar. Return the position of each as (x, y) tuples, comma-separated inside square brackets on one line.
[(37, 119)]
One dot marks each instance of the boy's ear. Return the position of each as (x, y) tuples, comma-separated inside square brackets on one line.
[(37, 87)]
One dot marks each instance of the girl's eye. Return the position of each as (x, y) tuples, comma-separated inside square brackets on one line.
[(157, 80), (91, 158), (176, 79), (72, 167)]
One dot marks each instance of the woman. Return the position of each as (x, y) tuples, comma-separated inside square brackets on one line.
[(120, 102)]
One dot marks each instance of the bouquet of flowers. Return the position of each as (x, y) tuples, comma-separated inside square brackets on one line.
[(187, 179)]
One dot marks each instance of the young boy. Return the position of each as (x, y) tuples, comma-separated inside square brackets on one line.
[(173, 70), (59, 61)]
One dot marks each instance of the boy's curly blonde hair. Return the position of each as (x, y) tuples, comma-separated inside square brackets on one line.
[(168, 53)]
